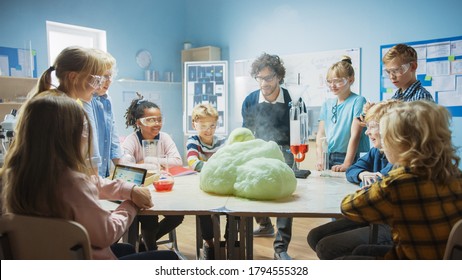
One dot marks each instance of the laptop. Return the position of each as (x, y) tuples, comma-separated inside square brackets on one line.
[(130, 174)]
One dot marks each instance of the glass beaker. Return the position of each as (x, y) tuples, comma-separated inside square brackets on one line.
[(325, 158), (150, 151), (163, 182)]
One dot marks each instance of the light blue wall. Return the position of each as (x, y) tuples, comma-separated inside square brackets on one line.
[(155, 25), (242, 28)]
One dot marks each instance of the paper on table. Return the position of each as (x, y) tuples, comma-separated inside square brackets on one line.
[(180, 171)]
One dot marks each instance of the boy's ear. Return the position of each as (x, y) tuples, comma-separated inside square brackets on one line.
[(194, 124), (414, 66)]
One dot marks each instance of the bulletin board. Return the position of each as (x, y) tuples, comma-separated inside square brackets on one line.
[(206, 82), (17, 62), (439, 70), (305, 75)]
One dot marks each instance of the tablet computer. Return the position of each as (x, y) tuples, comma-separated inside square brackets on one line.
[(130, 174)]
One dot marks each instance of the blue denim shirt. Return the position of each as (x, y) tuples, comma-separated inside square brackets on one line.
[(108, 138)]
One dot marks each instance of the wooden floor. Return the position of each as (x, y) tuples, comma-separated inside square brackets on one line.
[(263, 246)]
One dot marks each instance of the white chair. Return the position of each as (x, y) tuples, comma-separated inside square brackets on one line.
[(39, 238), (454, 246)]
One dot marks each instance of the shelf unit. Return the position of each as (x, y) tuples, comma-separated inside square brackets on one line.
[(13, 92)]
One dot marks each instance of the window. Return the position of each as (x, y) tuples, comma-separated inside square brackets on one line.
[(62, 35)]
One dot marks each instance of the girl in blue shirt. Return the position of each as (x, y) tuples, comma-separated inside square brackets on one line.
[(337, 120)]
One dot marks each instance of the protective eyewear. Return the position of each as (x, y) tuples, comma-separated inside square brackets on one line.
[(267, 79), (205, 126), (398, 71), (337, 82), (151, 121), (96, 81)]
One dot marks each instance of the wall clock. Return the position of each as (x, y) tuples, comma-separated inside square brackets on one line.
[(143, 59)]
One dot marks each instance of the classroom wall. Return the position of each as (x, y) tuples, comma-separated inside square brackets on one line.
[(155, 25), (242, 28)]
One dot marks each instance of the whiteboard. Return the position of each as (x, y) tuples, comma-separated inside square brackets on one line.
[(305, 75)]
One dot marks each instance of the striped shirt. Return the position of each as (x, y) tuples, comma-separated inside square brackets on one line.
[(421, 213), (198, 152), (415, 92)]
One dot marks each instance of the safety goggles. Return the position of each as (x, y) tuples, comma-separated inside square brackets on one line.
[(151, 121), (96, 81), (202, 126), (399, 71), (337, 82)]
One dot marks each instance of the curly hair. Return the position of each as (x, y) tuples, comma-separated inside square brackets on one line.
[(136, 110), (420, 131), (376, 112), (274, 62)]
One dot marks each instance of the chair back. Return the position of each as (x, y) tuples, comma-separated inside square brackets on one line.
[(454, 246), (39, 238)]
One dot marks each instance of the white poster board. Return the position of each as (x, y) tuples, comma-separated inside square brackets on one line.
[(206, 82)]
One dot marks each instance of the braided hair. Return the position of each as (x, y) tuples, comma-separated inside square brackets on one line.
[(136, 110)]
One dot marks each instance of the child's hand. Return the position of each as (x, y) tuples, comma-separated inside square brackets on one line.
[(339, 168), (319, 166), (142, 197)]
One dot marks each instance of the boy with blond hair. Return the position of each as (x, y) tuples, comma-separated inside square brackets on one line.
[(200, 148), (401, 65), (203, 145)]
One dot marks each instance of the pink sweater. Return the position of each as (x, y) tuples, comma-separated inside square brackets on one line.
[(132, 146), (104, 227)]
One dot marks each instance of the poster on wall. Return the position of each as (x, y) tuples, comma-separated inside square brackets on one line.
[(17, 62), (206, 82)]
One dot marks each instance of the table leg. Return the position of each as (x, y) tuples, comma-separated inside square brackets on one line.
[(248, 236), (232, 237), (198, 238), (217, 236)]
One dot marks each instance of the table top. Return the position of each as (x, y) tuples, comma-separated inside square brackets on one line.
[(185, 198), (315, 196)]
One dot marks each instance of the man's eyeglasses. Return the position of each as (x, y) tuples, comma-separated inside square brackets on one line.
[(96, 81), (398, 71), (151, 121), (337, 82), (334, 114), (205, 126), (267, 79)]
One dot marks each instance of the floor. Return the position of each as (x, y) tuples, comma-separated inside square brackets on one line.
[(263, 246)]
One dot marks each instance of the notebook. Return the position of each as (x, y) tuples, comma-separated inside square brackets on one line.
[(130, 174)]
